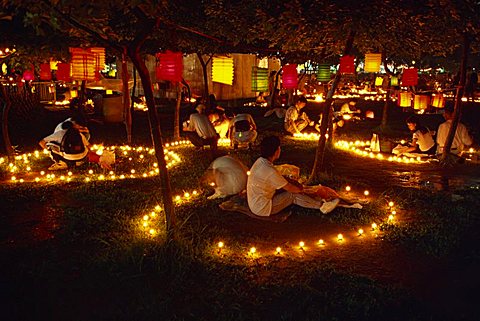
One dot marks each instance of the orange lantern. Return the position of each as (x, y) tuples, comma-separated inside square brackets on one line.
[(222, 70), (170, 66), (405, 99), (45, 72), (372, 62), (370, 114), (410, 77), (63, 71), (83, 64), (290, 76), (347, 64), (99, 55), (421, 102), (438, 101)]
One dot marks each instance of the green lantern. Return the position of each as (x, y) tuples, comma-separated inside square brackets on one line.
[(259, 79), (394, 81), (323, 72)]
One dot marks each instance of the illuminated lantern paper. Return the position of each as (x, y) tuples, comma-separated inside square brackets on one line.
[(290, 76), (347, 65), (394, 81), (378, 81), (410, 77), (222, 70), (438, 101), (45, 72), (169, 66), (99, 55), (259, 79), (83, 64), (53, 64), (28, 75), (63, 71), (372, 62), (421, 102), (369, 114), (323, 72), (405, 99)]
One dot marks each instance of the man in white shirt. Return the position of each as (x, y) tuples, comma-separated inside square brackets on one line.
[(264, 183), (295, 121), (461, 139), (200, 130)]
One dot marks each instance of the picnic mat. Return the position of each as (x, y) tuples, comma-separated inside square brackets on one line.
[(239, 204)]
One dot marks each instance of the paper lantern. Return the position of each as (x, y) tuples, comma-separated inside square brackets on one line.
[(405, 99), (438, 101), (421, 102), (222, 70), (53, 64), (259, 79), (394, 81), (347, 65), (63, 71), (73, 93), (323, 73), (290, 76), (83, 64), (28, 75), (99, 55), (45, 72), (370, 114), (410, 77), (169, 66), (373, 62), (378, 81)]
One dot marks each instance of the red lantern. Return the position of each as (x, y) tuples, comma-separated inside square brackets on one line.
[(170, 66), (28, 75), (410, 77), (45, 72), (290, 76), (63, 71), (347, 64)]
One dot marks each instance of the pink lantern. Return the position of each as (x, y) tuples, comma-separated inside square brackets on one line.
[(170, 66), (63, 71), (28, 75), (290, 76), (45, 72), (410, 77), (347, 64)]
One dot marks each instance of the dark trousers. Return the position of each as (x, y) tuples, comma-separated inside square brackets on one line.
[(198, 141)]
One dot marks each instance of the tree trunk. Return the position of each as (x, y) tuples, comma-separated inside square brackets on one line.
[(383, 125), (275, 85), (132, 97), (156, 134), (127, 115), (205, 75), (6, 137), (318, 165), (176, 120), (444, 160)]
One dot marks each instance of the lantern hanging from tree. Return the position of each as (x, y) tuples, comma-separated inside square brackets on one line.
[(438, 101), (259, 79), (63, 71), (394, 81), (410, 77), (323, 73), (372, 62), (378, 81), (405, 99), (169, 66), (222, 70), (290, 76), (99, 55), (53, 64), (421, 102), (28, 75), (45, 72), (347, 64), (83, 64)]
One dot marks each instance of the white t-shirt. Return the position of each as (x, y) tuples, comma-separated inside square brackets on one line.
[(230, 175), (460, 140), (291, 114), (424, 141), (203, 126), (262, 183)]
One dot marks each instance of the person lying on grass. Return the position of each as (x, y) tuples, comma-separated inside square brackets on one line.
[(268, 192)]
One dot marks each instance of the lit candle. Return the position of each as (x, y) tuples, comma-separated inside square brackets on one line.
[(366, 193), (390, 204), (321, 242), (340, 237), (278, 250), (348, 188), (390, 217), (152, 231), (394, 212), (360, 232), (301, 244), (374, 226), (253, 250)]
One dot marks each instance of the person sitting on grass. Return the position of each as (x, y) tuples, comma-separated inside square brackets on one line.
[(295, 121), (227, 175), (68, 147), (462, 138), (422, 140), (268, 192), (200, 130)]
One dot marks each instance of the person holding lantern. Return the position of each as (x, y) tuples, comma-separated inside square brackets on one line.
[(295, 121)]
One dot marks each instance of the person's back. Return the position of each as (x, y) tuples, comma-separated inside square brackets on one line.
[(202, 125), (460, 139), (229, 175)]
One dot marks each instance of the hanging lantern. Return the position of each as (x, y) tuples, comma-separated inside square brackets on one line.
[(99, 55), (28, 75), (394, 81), (290, 76), (378, 81), (370, 114), (53, 64), (83, 64), (410, 77), (259, 79), (372, 62), (45, 72), (438, 101), (73, 93), (323, 73), (222, 70), (421, 102), (347, 65), (169, 66), (63, 71), (405, 99)]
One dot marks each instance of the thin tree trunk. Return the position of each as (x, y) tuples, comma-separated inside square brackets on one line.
[(132, 97), (383, 125), (275, 85), (444, 160), (318, 165), (127, 115), (6, 137), (176, 121), (156, 134), (205, 75)]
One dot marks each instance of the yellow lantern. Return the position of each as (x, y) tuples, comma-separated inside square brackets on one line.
[(378, 81), (405, 99), (222, 70), (53, 64), (438, 101), (421, 102), (394, 81), (372, 62)]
